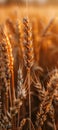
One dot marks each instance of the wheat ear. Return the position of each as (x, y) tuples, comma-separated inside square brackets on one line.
[(46, 104), (28, 55)]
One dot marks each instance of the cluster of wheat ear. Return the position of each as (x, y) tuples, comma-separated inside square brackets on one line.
[(28, 90)]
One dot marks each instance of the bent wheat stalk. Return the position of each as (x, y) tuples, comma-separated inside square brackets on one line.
[(46, 104)]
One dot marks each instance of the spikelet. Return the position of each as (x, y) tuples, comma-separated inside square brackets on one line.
[(26, 121), (22, 124), (52, 116), (38, 90), (21, 88), (4, 122), (52, 113), (28, 47), (53, 78), (56, 97), (46, 104)]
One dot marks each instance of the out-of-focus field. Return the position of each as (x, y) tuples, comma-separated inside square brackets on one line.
[(15, 10)]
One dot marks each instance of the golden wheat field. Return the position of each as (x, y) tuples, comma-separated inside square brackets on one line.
[(28, 68)]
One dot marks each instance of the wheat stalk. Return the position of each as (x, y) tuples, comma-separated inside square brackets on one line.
[(5, 75), (28, 56), (46, 104), (22, 89)]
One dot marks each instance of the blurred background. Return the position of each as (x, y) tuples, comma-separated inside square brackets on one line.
[(30, 1)]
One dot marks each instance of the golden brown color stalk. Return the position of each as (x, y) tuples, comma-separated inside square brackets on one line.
[(28, 56), (5, 76), (11, 64), (49, 95)]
